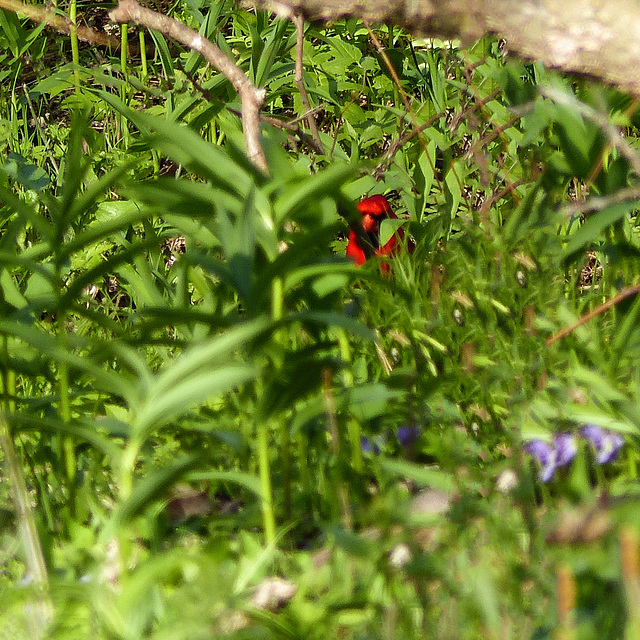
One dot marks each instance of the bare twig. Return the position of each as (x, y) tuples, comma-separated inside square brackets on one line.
[(410, 113), (48, 15), (297, 131), (490, 137), (599, 203), (612, 133), (298, 22), (286, 125), (487, 205), (396, 80), (251, 98), (397, 144), (625, 293), (474, 106)]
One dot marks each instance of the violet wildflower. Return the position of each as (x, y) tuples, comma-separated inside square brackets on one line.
[(607, 444), (369, 446), (408, 435), (566, 448), (560, 453), (545, 454)]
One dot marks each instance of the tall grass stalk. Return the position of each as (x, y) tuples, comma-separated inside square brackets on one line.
[(73, 35)]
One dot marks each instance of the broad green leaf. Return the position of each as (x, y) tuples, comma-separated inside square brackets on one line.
[(321, 270), (10, 291), (246, 480), (427, 476), (23, 172), (162, 408), (324, 183), (150, 488), (388, 228), (591, 229), (369, 400), (274, 43), (51, 348), (591, 415)]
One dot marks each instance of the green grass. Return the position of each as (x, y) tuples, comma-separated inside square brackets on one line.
[(188, 400)]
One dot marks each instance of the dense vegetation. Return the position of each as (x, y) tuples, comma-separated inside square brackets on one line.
[(224, 428)]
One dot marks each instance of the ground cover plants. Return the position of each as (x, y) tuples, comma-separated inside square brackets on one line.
[(214, 424)]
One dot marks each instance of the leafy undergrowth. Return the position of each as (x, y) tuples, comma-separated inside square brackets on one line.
[(227, 429)]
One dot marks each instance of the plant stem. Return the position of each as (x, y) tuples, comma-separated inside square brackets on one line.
[(64, 410), (143, 54), (73, 34), (124, 39), (355, 432), (28, 530), (277, 306), (264, 466), (269, 520), (64, 413)]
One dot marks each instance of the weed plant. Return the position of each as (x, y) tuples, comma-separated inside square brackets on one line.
[(223, 428)]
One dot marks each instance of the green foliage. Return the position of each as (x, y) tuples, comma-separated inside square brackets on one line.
[(190, 367)]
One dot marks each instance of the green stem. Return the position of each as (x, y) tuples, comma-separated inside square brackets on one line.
[(632, 463), (28, 530), (269, 520), (124, 41), (277, 307), (277, 304), (8, 379), (127, 467), (64, 411), (353, 426), (124, 53), (73, 34), (303, 466), (27, 527), (277, 299), (143, 54)]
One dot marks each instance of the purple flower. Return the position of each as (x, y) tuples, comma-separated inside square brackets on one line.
[(545, 453), (408, 435), (566, 448), (606, 443), (369, 446), (551, 456)]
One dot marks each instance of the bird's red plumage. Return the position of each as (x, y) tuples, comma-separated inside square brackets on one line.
[(374, 210)]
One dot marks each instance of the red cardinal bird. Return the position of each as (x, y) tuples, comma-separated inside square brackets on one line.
[(374, 210)]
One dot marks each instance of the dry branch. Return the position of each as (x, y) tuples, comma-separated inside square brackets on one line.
[(49, 16), (251, 98), (625, 293), (598, 38)]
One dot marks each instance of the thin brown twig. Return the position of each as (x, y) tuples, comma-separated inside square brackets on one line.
[(298, 22), (625, 293), (474, 106), (405, 99), (490, 137), (251, 98), (487, 205), (397, 144), (286, 125), (296, 131), (50, 17), (598, 203), (616, 140), (480, 106)]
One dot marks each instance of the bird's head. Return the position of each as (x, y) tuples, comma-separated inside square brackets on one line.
[(373, 210)]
